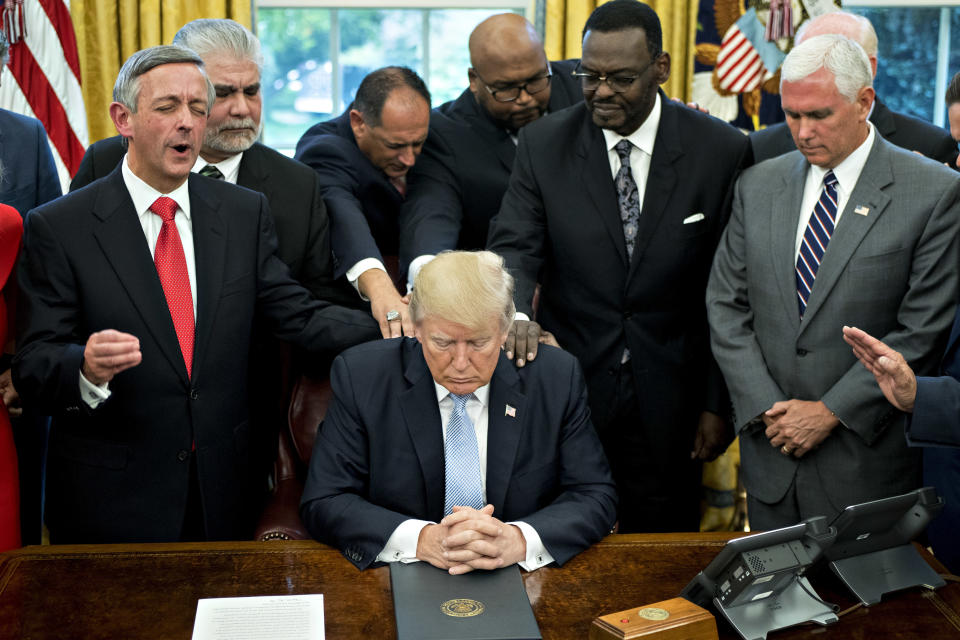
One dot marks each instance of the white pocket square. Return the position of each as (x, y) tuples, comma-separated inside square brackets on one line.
[(697, 217)]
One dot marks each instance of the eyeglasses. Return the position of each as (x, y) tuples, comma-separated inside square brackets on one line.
[(618, 83), (509, 94)]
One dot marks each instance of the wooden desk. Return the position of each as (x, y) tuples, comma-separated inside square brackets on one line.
[(120, 592)]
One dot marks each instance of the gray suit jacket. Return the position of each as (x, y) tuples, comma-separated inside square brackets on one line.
[(891, 272)]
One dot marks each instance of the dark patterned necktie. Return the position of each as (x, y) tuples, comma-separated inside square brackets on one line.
[(815, 239), (628, 197), (211, 171)]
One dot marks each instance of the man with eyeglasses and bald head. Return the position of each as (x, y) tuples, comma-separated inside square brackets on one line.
[(615, 207), (459, 180)]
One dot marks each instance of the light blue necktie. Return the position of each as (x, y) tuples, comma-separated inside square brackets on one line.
[(816, 237), (462, 459)]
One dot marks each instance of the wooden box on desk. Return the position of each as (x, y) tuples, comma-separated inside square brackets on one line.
[(676, 619)]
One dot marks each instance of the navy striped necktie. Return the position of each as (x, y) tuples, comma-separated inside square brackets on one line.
[(815, 239)]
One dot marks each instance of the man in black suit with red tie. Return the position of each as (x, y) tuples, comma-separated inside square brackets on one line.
[(139, 298), (622, 250)]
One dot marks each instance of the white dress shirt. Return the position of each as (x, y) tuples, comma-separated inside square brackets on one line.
[(643, 138), (402, 544), (847, 173), (143, 196), (230, 168)]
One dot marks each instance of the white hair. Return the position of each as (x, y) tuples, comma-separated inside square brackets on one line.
[(839, 55)]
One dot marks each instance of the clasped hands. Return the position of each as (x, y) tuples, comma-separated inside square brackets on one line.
[(798, 426), (469, 539)]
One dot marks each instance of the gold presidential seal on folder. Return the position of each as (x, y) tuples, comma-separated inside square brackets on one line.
[(462, 608)]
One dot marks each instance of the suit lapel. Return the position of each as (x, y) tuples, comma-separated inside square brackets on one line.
[(503, 430), (785, 216), (882, 119), (498, 138), (852, 227), (421, 414), (253, 173), (209, 245), (121, 238), (954, 337), (592, 149), (661, 179)]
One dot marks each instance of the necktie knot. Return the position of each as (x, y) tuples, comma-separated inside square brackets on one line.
[(830, 180), (460, 401), (164, 207), (210, 171), (623, 149)]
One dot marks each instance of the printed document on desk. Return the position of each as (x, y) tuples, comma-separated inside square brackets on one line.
[(260, 618)]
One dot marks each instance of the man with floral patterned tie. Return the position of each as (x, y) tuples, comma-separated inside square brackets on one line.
[(439, 449)]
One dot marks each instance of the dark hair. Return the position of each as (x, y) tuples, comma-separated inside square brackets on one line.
[(374, 89), (620, 15), (953, 89)]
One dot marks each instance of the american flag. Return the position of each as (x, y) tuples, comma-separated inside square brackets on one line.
[(42, 79), (746, 57)]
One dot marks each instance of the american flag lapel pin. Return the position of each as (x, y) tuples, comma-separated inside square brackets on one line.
[(510, 411), (862, 210)]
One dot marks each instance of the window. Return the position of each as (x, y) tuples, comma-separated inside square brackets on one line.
[(316, 56), (919, 51)]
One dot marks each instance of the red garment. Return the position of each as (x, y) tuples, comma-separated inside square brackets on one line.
[(11, 231)]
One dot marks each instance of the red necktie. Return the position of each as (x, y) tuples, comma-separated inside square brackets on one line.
[(172, 269)]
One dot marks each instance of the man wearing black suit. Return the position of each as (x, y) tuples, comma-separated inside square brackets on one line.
[(362, 158), (458, 183), (623, 283), (142, 359), (233, 61), (912, 134), (439, 449)]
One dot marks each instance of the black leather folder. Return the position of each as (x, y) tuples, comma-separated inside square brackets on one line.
[(430, 604)]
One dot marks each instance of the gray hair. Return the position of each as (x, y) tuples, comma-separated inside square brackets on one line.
[(843, 23), (839, 55), (465, 287), (220, 35), (126, 90)]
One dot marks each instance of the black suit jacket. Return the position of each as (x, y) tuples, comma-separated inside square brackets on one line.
[(363, 204), (459, 180), (560, 225), (379, 456), (912, 134), (120, 473), (292, 190)]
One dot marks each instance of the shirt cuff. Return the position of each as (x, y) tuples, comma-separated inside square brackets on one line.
[(414, 269), (402, 544), (354, 273), (520, 315), (537, 554), (93, 394)]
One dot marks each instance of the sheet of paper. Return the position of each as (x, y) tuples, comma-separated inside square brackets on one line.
[(260, 618)]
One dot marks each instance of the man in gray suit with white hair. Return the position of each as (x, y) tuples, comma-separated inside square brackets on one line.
[(848, 230)]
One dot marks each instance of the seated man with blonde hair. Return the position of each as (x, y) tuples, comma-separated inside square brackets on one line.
[(439, 449)]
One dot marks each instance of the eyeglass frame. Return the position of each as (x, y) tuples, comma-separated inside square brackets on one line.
[(600, 79), (518, 87)]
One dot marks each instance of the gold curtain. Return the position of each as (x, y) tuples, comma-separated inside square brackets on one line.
[(110, 31), (678, 19)]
